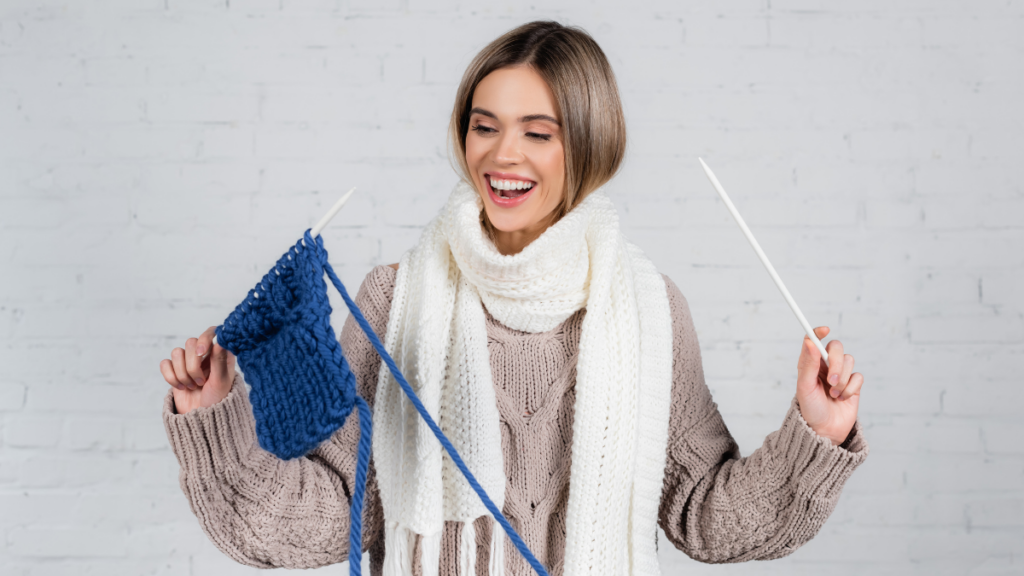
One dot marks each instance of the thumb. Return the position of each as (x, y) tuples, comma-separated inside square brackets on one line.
[(222, 363), (809, 364)]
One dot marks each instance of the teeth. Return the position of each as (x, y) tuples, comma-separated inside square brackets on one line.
[(510, 184)]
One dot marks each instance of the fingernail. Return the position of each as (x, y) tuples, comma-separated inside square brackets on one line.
[(199, 381), (200, 350), (833, 379), (834, 392)]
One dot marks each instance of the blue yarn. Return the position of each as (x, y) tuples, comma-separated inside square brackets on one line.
[(302, 386)]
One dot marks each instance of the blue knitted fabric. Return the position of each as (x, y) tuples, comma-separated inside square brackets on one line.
[(302, 387)]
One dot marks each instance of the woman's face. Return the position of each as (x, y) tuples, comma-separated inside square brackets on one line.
[(515, 155)]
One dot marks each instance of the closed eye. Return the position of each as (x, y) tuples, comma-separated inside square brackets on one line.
[(536, 136), (483, 129)]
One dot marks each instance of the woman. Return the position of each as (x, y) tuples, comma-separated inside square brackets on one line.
[(563, 367)]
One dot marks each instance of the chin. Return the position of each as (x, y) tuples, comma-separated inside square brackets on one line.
[(507, 222)]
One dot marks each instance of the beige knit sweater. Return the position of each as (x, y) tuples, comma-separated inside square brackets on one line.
[(715, 506)]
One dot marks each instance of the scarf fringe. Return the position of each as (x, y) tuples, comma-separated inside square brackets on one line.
[(398, 547), (496, 565), (400, 556), (400, 551), (467, 550), (430, 554)]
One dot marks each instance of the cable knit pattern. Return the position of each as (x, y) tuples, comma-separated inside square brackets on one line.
[(534, 380), (714, 505)]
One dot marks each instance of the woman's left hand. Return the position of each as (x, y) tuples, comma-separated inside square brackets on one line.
[(828, 396)]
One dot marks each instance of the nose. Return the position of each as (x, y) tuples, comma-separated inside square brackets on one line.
[(508, 151)]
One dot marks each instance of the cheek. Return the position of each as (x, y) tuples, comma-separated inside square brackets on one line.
[(475, 151), (552, 164)]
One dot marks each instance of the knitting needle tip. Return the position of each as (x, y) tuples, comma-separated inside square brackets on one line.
[(330, 214)]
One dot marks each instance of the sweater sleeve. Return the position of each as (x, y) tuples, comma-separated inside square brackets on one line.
[(717, 507), (266, 512)]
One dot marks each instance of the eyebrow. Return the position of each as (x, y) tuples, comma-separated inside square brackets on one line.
[(523, 119)]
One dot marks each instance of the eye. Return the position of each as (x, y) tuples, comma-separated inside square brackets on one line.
[(483, 129), (538, 136)]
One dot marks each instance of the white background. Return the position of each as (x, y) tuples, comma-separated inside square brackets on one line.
[(157, 156)]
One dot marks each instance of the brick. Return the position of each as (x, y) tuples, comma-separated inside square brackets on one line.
[(26, 507), (104, 434), (906, 509), (29, 430), (940, 473), (928, 434), (96, 398), (1000, 436), (728, 31), (1001, 399), (12, 396), (996, 513), (61, 542), (825, 29), (979, 328), (38, 472), (145, 435), (202, 106)]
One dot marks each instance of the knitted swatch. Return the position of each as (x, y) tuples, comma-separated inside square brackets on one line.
[(302, 387)]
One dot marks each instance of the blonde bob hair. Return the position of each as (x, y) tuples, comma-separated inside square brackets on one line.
[(589, 109)]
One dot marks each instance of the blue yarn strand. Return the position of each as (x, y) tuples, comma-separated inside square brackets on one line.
[(355, 544), (452, 452)]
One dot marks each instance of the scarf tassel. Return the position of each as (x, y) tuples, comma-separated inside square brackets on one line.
[(467, 550), (400, 544), (496, 565)]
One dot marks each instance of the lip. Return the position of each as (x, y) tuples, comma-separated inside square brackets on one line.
[(507, 202)]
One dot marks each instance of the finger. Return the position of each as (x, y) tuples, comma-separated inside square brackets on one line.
[(853, 388), (835, 366), (203, 346), (821, 331), (168, 373), (194, 362), (178, 363), (844, 376)]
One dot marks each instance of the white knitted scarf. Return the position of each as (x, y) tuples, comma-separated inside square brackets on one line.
[(437, 335)]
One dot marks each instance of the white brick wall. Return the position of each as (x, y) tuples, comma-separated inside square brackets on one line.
[(156, 156)]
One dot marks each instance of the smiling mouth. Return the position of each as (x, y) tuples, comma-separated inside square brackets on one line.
[(510, 188)]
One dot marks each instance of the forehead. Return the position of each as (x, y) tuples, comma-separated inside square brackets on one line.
[(512, 93)]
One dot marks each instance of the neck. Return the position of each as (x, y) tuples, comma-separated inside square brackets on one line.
[(513, 242)]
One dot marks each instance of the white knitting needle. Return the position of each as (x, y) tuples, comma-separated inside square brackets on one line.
[(319, 227), (764, 260), (330, 214)]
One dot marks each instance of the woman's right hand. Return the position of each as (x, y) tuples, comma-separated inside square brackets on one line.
[(200, 374)]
